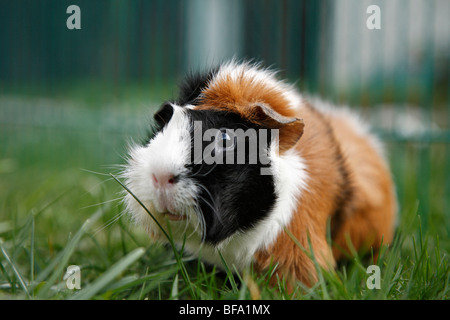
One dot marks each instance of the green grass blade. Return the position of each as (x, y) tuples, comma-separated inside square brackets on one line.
[(16, 271), (311, 255), (146, 210), (228, 272), (32, 248), (61, 260), (141, 293), (116, 269), (174, 292), (184, 272)]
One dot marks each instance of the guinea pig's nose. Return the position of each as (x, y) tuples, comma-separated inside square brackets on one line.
[(164, 179)]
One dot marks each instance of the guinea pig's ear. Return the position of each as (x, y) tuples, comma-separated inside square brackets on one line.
[(163, 115), (290, 129)]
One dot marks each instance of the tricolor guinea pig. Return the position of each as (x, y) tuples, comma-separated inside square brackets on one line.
[(243, 164)]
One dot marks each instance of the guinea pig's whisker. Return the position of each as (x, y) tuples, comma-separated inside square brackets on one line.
[(212, 205), (208, 203), (194, 207), (116, 167), (200, 221), (101, 203), (95, 172), (110, 222), (209, 194), (188, 224), (209, 171), (185, 213), (197, 172)]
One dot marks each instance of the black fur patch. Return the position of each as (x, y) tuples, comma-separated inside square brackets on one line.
[(161, 119), (192, 86), (163, 115), (233, 197), (189, 93)]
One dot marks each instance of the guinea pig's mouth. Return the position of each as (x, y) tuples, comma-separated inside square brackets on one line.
[(174, 217)]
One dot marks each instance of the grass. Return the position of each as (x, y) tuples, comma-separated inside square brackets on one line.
[(56, 211)]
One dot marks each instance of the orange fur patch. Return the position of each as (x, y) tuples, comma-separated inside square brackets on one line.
[(239, 93)]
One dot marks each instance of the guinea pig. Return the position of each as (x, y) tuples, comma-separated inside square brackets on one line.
[(243, 165)]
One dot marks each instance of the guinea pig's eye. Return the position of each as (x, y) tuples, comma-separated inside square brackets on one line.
[(225, 140)]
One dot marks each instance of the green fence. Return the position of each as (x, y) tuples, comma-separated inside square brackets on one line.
[(83, 92)]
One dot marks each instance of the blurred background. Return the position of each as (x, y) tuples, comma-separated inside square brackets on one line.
[(71, 100)]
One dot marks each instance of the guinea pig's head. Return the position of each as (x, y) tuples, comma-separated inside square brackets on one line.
[(209, 170)]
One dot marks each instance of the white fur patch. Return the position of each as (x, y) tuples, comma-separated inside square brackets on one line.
[(167, 152)]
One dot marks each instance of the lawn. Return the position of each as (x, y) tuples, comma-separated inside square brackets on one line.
[(60, 206)]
